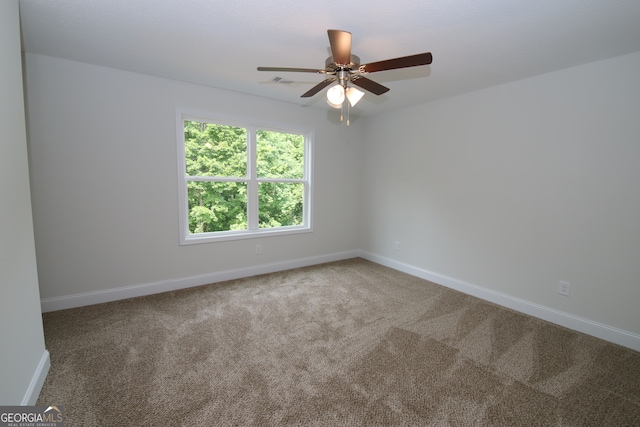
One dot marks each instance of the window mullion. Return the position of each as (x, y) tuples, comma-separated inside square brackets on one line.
[(252, 184)]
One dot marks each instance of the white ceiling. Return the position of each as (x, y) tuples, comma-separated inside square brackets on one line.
[(475, 43)]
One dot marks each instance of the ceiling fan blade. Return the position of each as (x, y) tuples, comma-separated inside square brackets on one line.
[(403, 62), (317, 88), (340, 42), (369, 85), (298, 70)]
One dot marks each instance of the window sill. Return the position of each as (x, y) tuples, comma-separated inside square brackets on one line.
[(223, 236)]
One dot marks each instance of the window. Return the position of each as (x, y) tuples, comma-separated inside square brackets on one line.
[(241, 179)]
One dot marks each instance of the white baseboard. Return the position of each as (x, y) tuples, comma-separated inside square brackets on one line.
[(98, 297), (37, 381), (589, 327), (599, 330)]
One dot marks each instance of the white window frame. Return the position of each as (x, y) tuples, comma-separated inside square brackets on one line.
[(252, 231)]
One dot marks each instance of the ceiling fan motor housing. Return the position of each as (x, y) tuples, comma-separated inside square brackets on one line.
[(331, 66)]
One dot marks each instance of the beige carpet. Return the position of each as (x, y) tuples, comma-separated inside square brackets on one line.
[(345, 343)]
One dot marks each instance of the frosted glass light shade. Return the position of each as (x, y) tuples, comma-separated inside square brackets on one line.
[(332, 105), (335, 96), (354, 95)]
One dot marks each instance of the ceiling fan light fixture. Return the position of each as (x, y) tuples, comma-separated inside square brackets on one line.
[(335, 96), (354, 95)]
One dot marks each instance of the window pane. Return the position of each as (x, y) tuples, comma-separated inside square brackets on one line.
[(217, 206), (279, 155), (215, 150), (280, 204)]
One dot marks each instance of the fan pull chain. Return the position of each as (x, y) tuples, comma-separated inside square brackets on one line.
[(348, 109)]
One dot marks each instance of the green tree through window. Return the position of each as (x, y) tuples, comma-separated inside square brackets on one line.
[(279, 155), (240, 180)]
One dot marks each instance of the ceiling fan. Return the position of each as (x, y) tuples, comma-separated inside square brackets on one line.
[(344, 67)]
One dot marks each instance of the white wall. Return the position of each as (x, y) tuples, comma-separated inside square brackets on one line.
[(510, 189), (24, 362), (104, 183)]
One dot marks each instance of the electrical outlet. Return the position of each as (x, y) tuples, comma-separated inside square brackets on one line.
[(564, 288), (258, 249), (396, 246)]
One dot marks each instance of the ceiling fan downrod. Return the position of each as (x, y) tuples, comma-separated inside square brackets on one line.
[(343, 77)]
